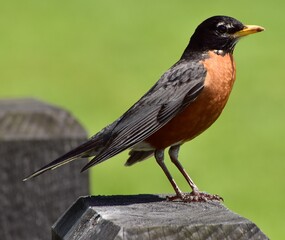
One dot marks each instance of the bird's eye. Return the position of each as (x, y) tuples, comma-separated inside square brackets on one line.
[(222, 28)]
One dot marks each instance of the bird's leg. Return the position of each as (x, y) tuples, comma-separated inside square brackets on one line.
[(173, 153), (159, 156), (195, 195)]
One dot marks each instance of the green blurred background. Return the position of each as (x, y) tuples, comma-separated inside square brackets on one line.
[(96, 58)]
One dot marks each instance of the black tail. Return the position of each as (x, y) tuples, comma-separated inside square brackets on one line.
[(90, 148), (83, 150)]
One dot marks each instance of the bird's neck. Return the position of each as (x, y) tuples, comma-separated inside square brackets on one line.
[(192, 53), (199, 48)]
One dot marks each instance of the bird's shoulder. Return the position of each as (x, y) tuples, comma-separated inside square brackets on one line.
[(177, 79)]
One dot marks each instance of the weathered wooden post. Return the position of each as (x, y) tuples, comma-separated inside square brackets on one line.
[(150, 217), (32, 134)]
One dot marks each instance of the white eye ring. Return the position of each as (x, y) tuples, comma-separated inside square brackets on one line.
[(221, 28)]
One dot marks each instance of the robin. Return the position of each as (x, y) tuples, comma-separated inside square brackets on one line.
[(184, 102)]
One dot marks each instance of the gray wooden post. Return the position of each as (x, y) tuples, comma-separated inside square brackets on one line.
[(150, 217), (32, 134)]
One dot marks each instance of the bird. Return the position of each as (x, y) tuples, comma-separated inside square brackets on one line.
[(185, 101)]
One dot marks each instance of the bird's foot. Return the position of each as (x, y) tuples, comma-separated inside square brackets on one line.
[(195, 197)]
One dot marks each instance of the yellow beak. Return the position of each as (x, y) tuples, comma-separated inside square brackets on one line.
[(248, 29)]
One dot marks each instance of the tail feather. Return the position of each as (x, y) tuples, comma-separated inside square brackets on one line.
[(81, 151), (50, 166), (90, 148)]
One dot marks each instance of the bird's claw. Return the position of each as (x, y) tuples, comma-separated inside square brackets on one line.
[(195, 197)]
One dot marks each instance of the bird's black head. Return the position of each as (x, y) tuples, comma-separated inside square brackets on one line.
[(219, 33)]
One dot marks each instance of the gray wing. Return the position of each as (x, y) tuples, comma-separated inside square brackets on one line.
[(175, 90)]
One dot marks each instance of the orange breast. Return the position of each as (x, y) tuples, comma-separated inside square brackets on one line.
[(204, 111)]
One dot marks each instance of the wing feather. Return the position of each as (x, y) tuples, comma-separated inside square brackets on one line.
[(175, 90)]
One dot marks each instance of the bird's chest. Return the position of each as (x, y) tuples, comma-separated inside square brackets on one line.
[(209, 104), (219, 79), (203, 112)]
